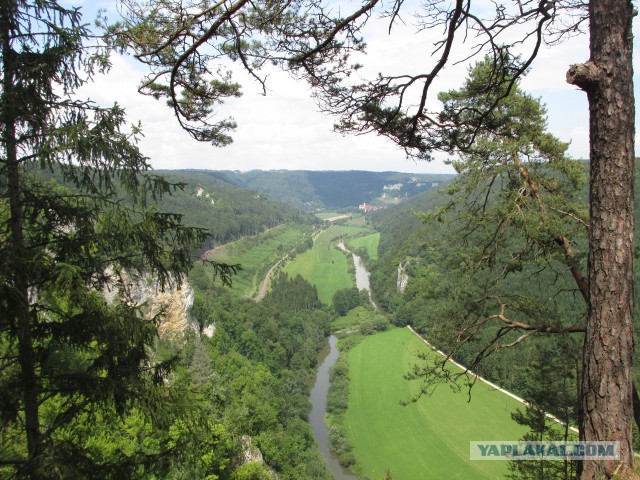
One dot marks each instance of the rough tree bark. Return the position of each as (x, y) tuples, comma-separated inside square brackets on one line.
[(607, 78)]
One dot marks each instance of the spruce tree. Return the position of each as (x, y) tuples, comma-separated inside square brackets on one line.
[(65, 349)]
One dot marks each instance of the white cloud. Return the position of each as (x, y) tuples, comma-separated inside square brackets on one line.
[(285, 130)]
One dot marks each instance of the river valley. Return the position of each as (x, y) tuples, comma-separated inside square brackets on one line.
[(326, 359)]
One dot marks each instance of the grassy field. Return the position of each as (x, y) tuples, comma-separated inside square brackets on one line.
[(325, 265), (325, 215), (424, 440), (370, 242), (332, 216), (357, 221), (257, 254), (336, 232)]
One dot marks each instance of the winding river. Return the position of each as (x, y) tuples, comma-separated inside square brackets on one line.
[(327, 358), (362, 275)]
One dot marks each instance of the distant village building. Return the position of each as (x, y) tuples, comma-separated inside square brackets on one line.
[(370, 208)]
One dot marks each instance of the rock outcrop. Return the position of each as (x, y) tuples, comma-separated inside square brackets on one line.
[(251, 453), (173, 304), (403, 278)]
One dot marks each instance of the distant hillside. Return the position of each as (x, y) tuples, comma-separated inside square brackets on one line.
[(398, 223), (227, 211), (314, 190)]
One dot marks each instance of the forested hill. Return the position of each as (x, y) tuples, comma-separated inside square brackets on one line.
[(443, 290), (332, 189), (226, 210), (400, 226)]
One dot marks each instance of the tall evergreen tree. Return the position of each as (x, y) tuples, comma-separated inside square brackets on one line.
[(63, 347)]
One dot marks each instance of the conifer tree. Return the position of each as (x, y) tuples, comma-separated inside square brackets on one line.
[(65, 348)]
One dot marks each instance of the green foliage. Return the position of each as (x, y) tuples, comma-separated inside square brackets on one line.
[(503, 243), (337, 403), (337, 399), (67, 352), (355, 317), (258, 351), (292, 294), (345, 300), (251, 471), (378, 324), (515, 240), (550, 387)]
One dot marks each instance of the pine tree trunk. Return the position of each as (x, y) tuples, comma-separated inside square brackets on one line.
[(18, 252), (608, 351)]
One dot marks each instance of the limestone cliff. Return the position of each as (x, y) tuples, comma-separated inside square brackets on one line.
[(403, 278), (251, 453), (173, 304)]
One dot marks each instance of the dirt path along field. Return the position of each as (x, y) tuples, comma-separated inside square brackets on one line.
[(264, 286)]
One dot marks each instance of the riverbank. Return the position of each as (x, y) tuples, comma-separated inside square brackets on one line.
[(361, 273), (320, 398), (330, 393)]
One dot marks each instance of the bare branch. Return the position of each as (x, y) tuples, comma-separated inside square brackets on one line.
[(569, 255), (513, 324)]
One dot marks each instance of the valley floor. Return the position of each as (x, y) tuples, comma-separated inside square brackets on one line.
[(428, 439)]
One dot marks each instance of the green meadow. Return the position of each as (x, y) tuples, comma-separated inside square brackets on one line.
[(370, 242), (428, 439), (337, 232), (325, 215), (356, 221), (257, 254), (325, 265), (328, 215)]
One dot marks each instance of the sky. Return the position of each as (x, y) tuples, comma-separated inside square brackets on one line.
[(285, 130)]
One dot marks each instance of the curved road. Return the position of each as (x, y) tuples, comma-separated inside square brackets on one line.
[(267, 278), (264, 286)]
